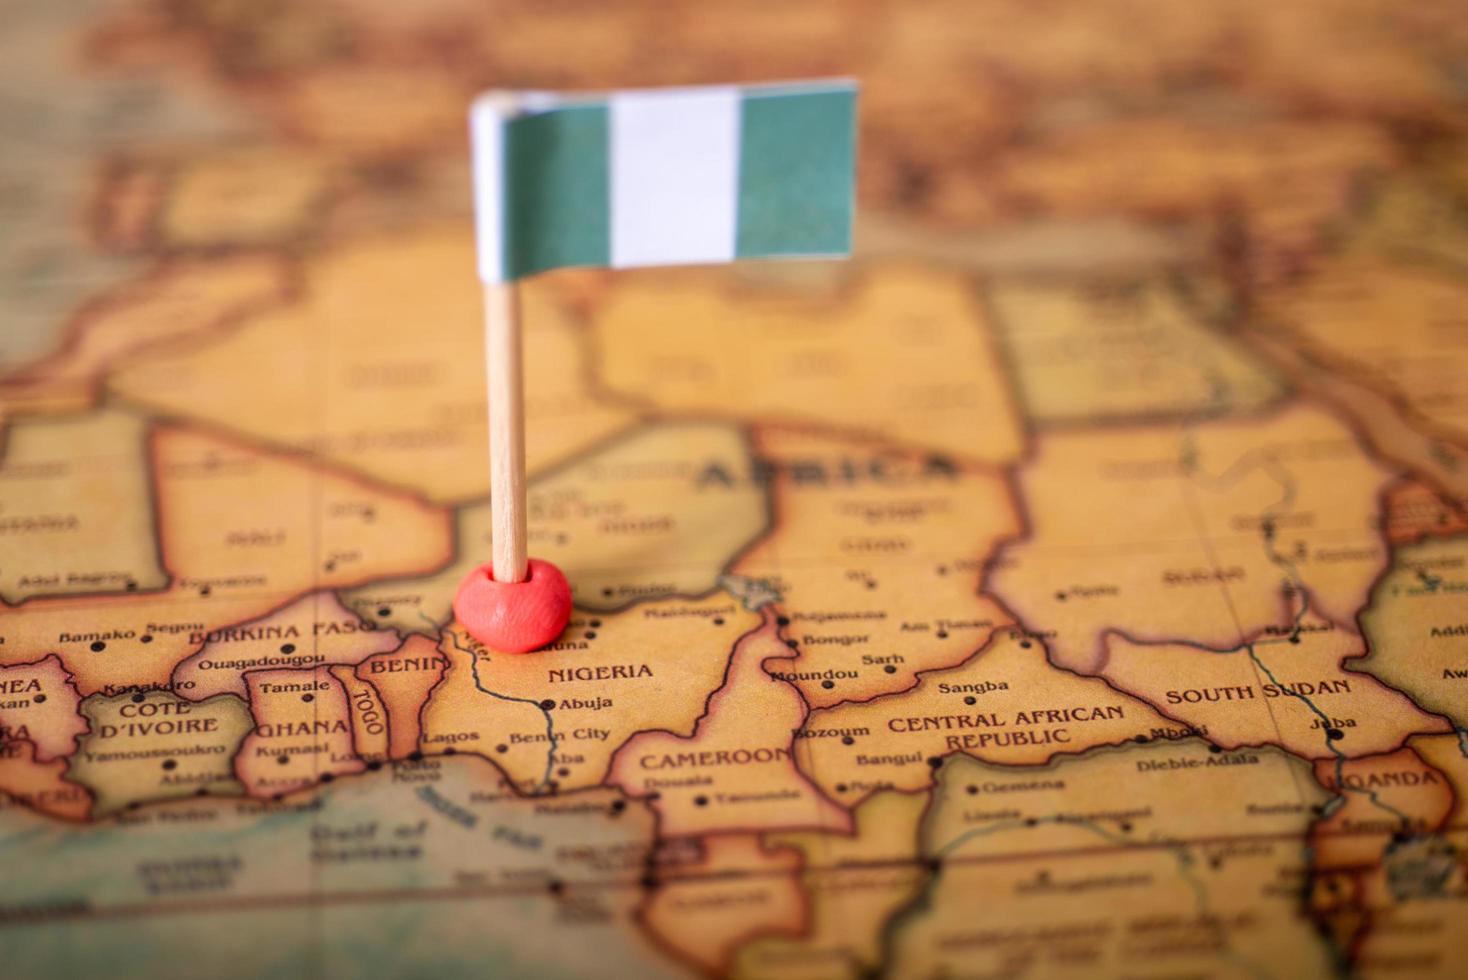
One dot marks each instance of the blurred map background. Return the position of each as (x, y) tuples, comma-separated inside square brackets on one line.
[(1075, 583)]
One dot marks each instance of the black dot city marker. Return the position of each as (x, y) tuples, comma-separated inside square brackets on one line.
[(828, 684), (1334, 734), (137, 699), (146, 638), (970, 699), (890, 669), (384, 612), (170, 764), (287, 648), (547, 704), (98, 646), (39, 699)]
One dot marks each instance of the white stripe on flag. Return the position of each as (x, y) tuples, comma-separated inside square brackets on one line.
[(674, 176), (487, 147)]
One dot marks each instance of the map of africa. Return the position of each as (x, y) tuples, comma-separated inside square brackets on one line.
[(1073, 584)]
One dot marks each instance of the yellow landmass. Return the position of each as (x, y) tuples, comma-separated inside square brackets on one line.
[(902, 353), (243, 533), (314, 629), (1417, 219), (1389, 323), (876, 556), (854, 883), (657, 513), (26, 782), (1202, 533), (609, 677), (1185, 845), (302, 734), (1089, 351), (369, 716), (236, 518), (1188, 164), (1383, 798), (1396, 436), (464, 717), (1006, 705), (1119, 910), (154, 746), (242, 196), (39, 705), (740, 891), (412, 107), (1414, 627), (1295, 695), (181, 305), (379, 367), (738, 769), (1163, 790), (129, 642), (75, 507)]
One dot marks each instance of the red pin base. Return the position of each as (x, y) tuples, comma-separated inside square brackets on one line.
[(514, 617)]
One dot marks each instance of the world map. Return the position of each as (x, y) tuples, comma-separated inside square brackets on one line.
[(1074, 583)]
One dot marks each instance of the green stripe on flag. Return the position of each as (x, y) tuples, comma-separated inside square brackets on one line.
[(795, 173), (556, 190)]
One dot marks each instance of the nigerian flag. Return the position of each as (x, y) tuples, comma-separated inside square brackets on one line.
[(662, 176)]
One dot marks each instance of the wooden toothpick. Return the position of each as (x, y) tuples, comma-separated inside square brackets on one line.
[(512, 603), (505, 374)]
